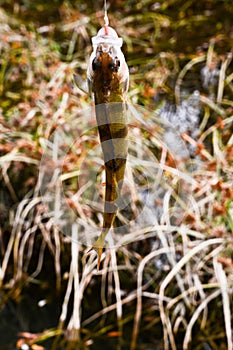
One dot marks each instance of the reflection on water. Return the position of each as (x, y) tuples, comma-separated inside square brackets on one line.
[(184, 118)]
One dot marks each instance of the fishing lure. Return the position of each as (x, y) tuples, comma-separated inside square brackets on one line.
[(108, 79)]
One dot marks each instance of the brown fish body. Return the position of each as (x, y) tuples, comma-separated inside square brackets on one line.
[(108, 81)]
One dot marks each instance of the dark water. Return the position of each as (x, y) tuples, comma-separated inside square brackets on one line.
[(26, 315)]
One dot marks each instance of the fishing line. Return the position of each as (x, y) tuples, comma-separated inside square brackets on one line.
[(106, 21)]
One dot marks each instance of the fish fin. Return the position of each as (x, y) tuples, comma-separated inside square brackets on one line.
[(98, 246), (81, 83), (100, 252), (89, 86)]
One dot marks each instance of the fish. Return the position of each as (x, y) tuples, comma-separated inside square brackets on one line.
[(108, 82)]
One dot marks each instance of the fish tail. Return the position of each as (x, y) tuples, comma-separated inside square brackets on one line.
[(110, 210), (98, 246)]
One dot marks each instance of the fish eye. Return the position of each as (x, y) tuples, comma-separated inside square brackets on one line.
[(96, 64), (117, 62), (114, 65)]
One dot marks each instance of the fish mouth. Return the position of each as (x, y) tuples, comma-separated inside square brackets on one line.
[(111, 38)]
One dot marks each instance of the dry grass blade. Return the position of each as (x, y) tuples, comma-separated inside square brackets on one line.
[(6, 258), (137, 317), (168, 334), (225, 290), (196, 314), (222, 76), (109, 308), (210, 103), (182, 74), (119, 310), (75, 321)]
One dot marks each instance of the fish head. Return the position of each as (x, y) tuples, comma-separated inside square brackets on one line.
[(107, 68)]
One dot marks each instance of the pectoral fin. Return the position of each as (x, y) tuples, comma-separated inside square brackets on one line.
[(81, 83)]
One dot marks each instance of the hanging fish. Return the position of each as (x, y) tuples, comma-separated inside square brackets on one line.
[(108, 79)]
